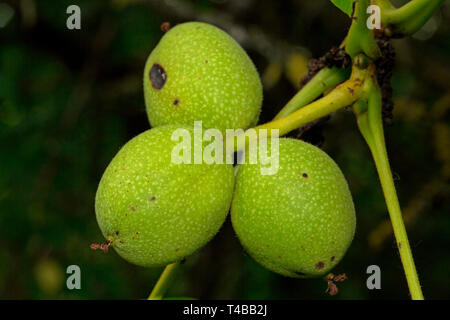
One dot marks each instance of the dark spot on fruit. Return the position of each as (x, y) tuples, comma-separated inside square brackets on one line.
[(117, 232), (304, 175), (299, 273), (399, 245), (320, 265), (152, 198), (121, 241), (206, 61), (133, 208), (332, 258), (177, 249), (158, 76), (137, 232), (165, 26), (176, 101)]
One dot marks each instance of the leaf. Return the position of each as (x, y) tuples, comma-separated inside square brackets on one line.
[(344, 5)]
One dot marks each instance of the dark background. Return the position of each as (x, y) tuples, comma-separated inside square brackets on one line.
[(69, 99)]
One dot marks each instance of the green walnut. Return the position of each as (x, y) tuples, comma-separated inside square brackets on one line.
[(153, 211), (197, 72), (299, 221)]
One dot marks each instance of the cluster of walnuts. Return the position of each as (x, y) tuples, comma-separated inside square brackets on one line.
[(297, 222)]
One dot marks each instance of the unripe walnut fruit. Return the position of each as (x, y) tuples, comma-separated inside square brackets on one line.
[(153, 211), (300, 221), (198, 72)]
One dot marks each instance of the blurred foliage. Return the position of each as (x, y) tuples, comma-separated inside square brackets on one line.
[(69, 99)]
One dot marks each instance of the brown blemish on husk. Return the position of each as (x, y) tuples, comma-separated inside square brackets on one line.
[(320, 265), (158, 76)]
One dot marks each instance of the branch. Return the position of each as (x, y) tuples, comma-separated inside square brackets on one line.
[(371, 126)]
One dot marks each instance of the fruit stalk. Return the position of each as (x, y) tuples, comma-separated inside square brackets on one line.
[(371, 126), (325, 79), (164, 281), (343, 95)]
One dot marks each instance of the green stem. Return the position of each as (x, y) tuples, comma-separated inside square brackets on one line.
[(343, 95), (409, 18), (371, 126), (383, 4), (360, 38), (325, 79), (164, 281)]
